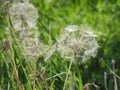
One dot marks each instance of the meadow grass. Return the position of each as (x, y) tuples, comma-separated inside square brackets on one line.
[(32, 62)]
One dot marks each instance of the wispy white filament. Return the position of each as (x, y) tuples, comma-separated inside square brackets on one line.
[(23, 15), (77, 43)]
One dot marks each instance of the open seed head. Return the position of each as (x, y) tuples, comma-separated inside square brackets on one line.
[(77, 43), (23, 15), (31, 47)]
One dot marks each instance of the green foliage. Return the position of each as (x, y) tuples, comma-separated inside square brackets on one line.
[(102, 15)]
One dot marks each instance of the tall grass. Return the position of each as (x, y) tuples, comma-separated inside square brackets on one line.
[(39, 51)]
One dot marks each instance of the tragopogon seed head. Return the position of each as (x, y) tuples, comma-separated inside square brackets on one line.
[(77, 43), (23, 15)]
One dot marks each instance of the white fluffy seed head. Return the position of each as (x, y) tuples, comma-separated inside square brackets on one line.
[(23, 15), (77, 43), (31, 47)]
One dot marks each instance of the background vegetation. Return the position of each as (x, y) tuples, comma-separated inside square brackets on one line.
[(102, 15)]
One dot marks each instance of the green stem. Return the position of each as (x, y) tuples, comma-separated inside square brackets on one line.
[(67, 74), (12, 57)]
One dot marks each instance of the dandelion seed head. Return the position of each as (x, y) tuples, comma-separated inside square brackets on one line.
[(77, 43), (23, 15)]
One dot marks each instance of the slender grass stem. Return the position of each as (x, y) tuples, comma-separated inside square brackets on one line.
[(114, 77), (111, 71), (67, 74), (12, 61), (15, 72), (30, 67), (34, 78)]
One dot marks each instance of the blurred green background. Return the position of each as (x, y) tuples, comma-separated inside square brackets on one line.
[(103, 16)]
